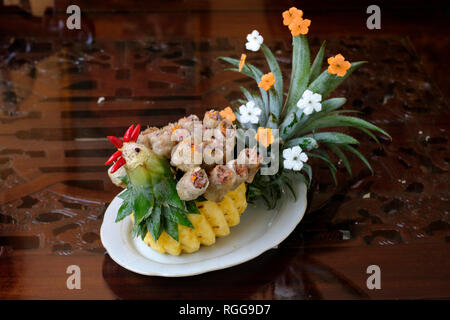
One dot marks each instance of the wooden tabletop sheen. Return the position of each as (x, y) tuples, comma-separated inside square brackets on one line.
[(154, 63)]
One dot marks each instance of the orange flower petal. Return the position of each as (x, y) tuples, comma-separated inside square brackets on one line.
[(290, 15), (338, 65), (264, 136), (228, 113), (242, 61)]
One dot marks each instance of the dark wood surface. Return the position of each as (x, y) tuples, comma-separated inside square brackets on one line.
[(154, 64)]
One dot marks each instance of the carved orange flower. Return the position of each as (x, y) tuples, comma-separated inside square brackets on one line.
[(267, 81), (299, 26), (264, 136), (338, 65), (228, 113), (290, 15), (242, 61)]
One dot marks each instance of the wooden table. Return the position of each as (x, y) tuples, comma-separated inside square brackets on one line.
[(152, 65)]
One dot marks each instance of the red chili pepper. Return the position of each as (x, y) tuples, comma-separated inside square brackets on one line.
[(116, 154), (117, 165), (127, 135), (135, 133), (116, 141)]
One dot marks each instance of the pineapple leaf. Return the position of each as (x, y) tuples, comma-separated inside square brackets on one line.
[(327, 107), (359, 155), (340, 121), (341, 156), (126, 193), (246, 69), (325, 83), (192, 207), (333, 137), (169, 226), (154, 223), (249, 70), (288, 184), (306, 143), (166, 192), (257, 76), (142, 206), (307, 168), (326, 158), (124, 211), (275, 69), (274, 105), (139, 230), (178, 216), (317, 64), (300, 72)]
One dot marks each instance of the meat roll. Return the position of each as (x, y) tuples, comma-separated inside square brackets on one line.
[(221, 181), (213, 153), (193, 184), (161, 140), (251, 159), (211, 119), (241, 172), (186, 155)]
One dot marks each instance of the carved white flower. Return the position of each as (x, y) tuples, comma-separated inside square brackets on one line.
[(294, 158), (255, 41), (249, 113), (309, 102)]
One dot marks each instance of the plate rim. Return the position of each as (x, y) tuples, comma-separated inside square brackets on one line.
[(251, 254)]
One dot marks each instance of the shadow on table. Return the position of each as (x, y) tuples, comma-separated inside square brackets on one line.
[(283, 273)]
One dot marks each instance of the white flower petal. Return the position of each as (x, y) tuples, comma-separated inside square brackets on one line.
[(260, 39), (297, 166), (316, 97), (257, 111), (250, 104), (318, 107), (243, 109), (307, 94), (255, 33), (253, 118), (308, 109), (287, 154), (288, 164), (296, 151), (303, 156)]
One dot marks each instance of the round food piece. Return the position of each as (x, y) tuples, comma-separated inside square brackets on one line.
[(193, 184)]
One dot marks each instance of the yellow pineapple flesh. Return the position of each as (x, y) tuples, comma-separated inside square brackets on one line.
[(214, 220)]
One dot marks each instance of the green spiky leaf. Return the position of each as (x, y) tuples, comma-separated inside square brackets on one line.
[(306, 143), (275, 69), (300, 72), (178, 216), (169, 226), (124, 211), (317, 64), (341, 156), (154, 224), (326, 82), (359, 155), (333, 137)]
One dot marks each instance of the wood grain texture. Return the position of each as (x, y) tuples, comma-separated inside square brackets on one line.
[(155, 64)]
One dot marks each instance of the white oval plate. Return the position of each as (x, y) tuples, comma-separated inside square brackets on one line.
[(258, 231)]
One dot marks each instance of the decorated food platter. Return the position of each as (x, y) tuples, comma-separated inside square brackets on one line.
[(211, 191)]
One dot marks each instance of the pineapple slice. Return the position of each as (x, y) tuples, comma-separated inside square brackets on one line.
[(188, 239), (203, 230), (230, 211), (215, 217), (239, 199), (214, 220)]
